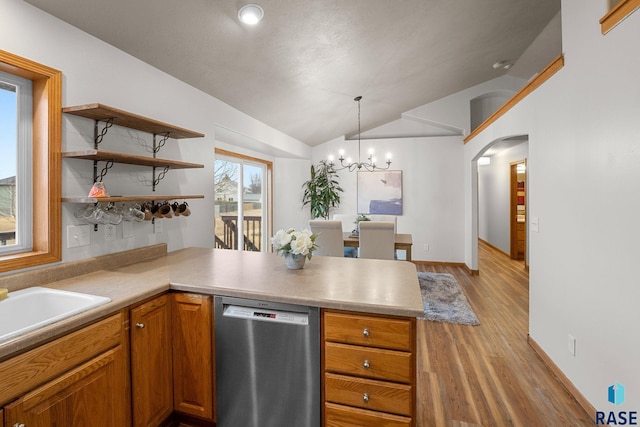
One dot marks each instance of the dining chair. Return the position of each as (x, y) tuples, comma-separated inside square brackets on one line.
[(329, 240), (392, 218), (348, 221), (377, 240), (348, 225)]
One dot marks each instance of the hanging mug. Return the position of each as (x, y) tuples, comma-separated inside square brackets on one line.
[(165, 210), (146, 208), (155, 210), (183, 209), (174, 208)]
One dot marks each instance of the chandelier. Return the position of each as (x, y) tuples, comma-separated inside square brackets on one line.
[(369, 165)]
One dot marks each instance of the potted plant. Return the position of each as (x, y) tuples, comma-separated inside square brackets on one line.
[(322, 190)]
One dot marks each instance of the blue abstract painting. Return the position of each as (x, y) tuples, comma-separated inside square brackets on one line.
[(380, 192)]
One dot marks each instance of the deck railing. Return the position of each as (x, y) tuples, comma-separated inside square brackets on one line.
[(252, 226), (6, 235)]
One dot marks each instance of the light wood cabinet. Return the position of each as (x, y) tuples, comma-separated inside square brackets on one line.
[(193, 360), (77, 380), (369, 370), (89, 395), (151, 365)]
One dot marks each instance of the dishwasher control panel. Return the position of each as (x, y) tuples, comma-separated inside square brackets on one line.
[(266, 315)]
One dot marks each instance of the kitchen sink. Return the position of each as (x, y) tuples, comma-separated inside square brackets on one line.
[(31, 308)]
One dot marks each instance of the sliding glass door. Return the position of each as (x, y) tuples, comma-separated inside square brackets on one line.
[(242, 202)]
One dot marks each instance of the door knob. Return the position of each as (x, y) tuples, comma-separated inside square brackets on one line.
[(366, 364), (365, 398), (366, 332), (139, 325)]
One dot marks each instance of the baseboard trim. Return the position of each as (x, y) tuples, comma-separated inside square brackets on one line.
[(494, 247), (453, 264), (445, 263), (582, 401)]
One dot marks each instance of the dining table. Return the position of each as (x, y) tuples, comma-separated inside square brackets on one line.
[(402, 242)]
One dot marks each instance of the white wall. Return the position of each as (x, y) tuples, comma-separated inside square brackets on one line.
[(432, 178), (94, 71), (584, 136), (494, 197), (432, 190), (288, 179)]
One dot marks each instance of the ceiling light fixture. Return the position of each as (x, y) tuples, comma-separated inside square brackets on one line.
[(250, 14), (368, 166), (502, 64)]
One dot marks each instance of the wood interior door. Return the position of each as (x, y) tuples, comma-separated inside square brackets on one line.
[(518, 213)]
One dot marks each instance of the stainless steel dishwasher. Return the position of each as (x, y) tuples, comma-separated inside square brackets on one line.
[(267, 364)]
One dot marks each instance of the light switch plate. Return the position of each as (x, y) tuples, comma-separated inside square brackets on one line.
[(571, 344), (535, 224), (109, 232), (78, 235)]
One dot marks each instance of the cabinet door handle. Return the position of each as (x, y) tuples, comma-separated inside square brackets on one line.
[(366, 364), (366, 333), (139, 325), (18, 425), (365, 398)]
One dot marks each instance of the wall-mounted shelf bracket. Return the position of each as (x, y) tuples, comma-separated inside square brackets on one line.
[(103, 172), (156, 180), (98, 136), (158, 144)]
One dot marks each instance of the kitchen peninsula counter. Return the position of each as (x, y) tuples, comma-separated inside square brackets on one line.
[(369, 286), (355, 284)]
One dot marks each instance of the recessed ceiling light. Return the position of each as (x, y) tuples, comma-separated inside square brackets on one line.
[(250, 14)]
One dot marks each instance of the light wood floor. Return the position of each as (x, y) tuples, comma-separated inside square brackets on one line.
[(488, 375)]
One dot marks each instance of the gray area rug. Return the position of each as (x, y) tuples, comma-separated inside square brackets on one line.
[(444, 300)]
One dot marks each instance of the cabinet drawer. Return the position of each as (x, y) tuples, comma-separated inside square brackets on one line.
[(369, 394), (371, 331), (344, 416), (369, 362)]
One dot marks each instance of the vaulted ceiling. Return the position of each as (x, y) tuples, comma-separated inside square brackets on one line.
[(299, 69)]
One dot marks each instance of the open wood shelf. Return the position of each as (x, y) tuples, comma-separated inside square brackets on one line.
[(131, 159), (122, 118), (116, 199)]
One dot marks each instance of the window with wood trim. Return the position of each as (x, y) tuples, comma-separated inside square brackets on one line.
[(46, 135), (618, 11), (16, 99), (243, 202)]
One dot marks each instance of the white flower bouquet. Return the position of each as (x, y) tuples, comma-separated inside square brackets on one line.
[(294, 242)]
